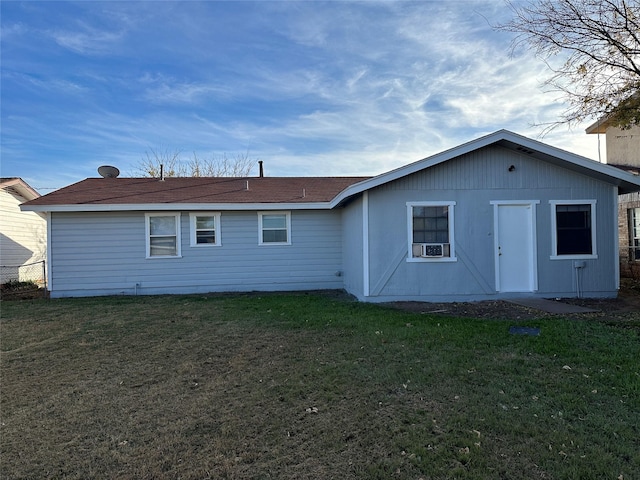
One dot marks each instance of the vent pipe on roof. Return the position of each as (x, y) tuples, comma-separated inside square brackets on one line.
[(261, 168), (161, 172)]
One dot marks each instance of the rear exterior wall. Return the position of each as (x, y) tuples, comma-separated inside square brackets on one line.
[(473, 181), (104, 253), (353, 246)]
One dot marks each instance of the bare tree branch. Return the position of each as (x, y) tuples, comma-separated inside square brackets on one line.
[(239, 165), (599, 41)]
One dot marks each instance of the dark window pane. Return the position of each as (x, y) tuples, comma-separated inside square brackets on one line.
[(418, 212), (573, 223), (274, 236), (205, 237), (431, 224), (442, 237)]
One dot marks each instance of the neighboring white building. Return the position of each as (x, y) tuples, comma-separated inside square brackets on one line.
[(622, 146), (623, 151), (23, 235)]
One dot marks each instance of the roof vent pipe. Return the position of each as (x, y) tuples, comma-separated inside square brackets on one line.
[(261, 168), (161, 172)]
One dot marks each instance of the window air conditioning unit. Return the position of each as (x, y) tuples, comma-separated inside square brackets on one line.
[(431, 250)]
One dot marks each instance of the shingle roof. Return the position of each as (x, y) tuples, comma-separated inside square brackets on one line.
[(97, 194), (195, 190)]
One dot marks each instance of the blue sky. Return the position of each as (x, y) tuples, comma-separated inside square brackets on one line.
[(310, 88)]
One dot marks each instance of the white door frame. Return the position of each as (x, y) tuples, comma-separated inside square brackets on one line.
[(496, 231)]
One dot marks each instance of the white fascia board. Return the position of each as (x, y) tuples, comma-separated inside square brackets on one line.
[(417, 166), (627, 181), (151, 207)]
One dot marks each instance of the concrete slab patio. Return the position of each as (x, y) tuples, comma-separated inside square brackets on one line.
[(551, 306)]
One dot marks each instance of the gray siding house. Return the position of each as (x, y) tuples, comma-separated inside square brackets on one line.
[(501, 216)]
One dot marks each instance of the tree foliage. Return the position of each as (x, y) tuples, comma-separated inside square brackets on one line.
[(597, 43), (175, 165)]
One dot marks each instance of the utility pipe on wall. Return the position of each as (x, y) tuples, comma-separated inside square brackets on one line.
[(579, 265)]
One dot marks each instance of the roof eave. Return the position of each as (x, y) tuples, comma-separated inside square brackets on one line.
[(22, 187), (625, 181), (599, 127), (155, 207), (412, 168)]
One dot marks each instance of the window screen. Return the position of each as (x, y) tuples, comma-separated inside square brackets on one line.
[(573, 229), (274, 228), (431, 224), (163, 239), (205, 230)]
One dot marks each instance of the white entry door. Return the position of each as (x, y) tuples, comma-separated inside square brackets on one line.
[(515, 247)]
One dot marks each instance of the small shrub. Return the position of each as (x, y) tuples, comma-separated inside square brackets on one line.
[(18, 286)]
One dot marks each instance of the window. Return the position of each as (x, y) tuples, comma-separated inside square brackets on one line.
[(163, 234), (205, 229), (430, 231), (274, 228), (573, 229), (634, 234)]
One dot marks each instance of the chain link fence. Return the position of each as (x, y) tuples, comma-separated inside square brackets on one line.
[(23, 281)]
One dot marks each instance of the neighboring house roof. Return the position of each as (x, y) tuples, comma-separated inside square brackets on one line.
[(603, 123), (627, 168), (101, 194), (21, 187), (600, 126)]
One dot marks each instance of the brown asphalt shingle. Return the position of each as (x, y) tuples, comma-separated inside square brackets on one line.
[(118, 191)]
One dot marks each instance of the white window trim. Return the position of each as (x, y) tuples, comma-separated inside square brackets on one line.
[(554, 231), (633, 215), (288, 220), (216, 226), (452, 251), (176, 216)]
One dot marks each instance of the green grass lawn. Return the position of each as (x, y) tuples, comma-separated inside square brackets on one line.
[(310, 386)]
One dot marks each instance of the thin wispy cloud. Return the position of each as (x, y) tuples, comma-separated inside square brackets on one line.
[(184, 93), (88, 40), (312, 88)]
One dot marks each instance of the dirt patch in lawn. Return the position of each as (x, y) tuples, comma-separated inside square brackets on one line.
[(625, 307), (308, 386)]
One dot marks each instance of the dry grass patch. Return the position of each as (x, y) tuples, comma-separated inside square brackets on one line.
[(309, 386)]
